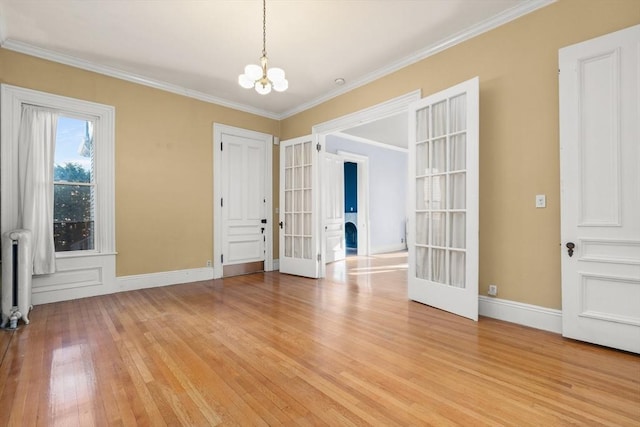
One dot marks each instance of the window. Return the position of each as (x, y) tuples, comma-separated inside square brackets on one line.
[(74, 186), (84, 207)]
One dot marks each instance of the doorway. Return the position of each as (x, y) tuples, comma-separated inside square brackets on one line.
[(378, 120), (351, 207)]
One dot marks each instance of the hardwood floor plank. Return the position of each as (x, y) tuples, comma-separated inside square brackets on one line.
[(273, 349)]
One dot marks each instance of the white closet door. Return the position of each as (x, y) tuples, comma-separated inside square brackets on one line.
[(443, 200)]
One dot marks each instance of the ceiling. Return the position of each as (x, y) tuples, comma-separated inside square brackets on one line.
[(199, 47)]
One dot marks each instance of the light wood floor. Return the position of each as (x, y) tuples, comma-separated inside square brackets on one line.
[(271, 349)]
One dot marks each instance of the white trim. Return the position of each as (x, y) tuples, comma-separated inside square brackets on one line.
[(530, 315), (276, 265), (164, 278), (218, 130), (379, 111), (370, 142), (507, 16), (27, 49)]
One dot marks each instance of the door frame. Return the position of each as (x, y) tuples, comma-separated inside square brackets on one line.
[(218, 131), (364, 247), (383, 110)]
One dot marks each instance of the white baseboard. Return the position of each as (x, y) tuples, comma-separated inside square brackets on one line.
[(276, 265), (164, 278), (388, 248), (533, 316)]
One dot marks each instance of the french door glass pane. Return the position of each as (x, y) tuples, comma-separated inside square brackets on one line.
[(297, 247), (288, 247), (439, 119), (307, 177), (307, 224), (422, 124), (438, 270), (439, 192), (307, 200), (298, 158), (458, 154), (438, 229), (288, 156), (457, 111), (457, 230), (439, 155), (422, 228), (288, 224), (422, 193), (421, 263), (457, 268), (288, 178), (457, 198), (307, 248), (298, 224), (422, 158)]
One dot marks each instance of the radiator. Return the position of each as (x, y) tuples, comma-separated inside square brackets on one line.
[(16, 277)]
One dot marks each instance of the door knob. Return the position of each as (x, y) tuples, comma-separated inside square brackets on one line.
[(570, 247), (281, 224)]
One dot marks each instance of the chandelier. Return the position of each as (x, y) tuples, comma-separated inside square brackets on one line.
[(260, 77)]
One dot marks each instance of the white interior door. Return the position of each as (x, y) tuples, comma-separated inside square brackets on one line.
[(600, 179), (443, 200), (333, 207), (243, 201), (299, 250)]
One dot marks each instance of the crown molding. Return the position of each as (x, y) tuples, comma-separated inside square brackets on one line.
[(3, 25), (368, 141), (490, 24), (49, 55), (469, 33)]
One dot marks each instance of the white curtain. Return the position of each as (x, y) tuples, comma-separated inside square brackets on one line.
[(36, 148)]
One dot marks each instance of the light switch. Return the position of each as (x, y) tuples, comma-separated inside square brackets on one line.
[(541, 201)]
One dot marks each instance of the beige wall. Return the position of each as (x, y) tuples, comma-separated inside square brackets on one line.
[(519, 152), (164, 145), (164, 161)]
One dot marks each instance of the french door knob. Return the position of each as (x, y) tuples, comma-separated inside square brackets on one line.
[(281, 224)]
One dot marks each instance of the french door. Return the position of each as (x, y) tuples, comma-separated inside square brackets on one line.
[(443, 200), (600, 176), (298, 207)]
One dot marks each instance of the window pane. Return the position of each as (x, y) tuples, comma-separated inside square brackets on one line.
[(73, 219), (73, 210), (74, 151)]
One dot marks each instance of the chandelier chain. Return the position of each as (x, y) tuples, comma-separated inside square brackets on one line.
[(264, 27)]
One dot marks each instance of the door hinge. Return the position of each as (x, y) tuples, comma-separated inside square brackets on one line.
[(222, 258), (318, 146), (221, 202), (221, 146), (319, 257)]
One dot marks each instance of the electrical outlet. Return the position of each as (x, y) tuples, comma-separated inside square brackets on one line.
[(208, 263), (493, 290)]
